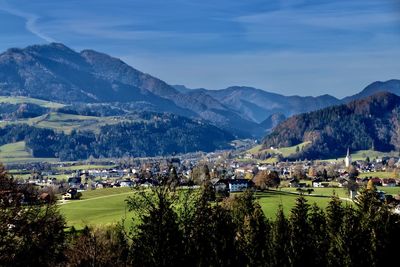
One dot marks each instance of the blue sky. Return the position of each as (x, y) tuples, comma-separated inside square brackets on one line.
[(288, 46)]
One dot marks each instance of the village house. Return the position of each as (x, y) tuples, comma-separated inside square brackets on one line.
[(390, 182), (238, 185), (71, 193)]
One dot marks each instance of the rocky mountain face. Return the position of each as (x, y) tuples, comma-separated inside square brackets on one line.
[(369, 123)]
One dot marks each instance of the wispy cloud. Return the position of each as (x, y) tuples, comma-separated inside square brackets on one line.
[(318, 46), (31, 21), (324, 25)]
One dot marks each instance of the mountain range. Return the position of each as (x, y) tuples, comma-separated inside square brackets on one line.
[(57, 73), (93, 83)]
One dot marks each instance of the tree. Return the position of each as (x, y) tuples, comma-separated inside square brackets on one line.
[(299, 172), (254, 239), (391, 163), (200, 174), (318, 235), (260, 179), (273, 179), (212, 240), (353, 172), (157, 240), (265, 179), (280, 235), (31, 231), (98, 247), (300, 233), (334, 221)]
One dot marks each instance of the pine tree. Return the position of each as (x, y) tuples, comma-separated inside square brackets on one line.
[(254, 239), (318, 236), (157, 240), (280, 240), (300, 234), (334, 219)]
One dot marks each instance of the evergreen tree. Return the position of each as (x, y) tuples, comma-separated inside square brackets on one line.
[(254, 239), (280, 240), (318, 236), (300, 234), (334, 219), (157, 240)]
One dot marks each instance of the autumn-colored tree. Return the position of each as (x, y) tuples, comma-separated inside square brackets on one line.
[(265, 179)]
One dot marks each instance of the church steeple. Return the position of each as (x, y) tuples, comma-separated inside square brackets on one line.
[(348, 158)]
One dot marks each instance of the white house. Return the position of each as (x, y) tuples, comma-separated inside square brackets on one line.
[(238, 185)]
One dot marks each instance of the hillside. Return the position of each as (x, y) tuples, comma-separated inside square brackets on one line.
[(57, 73), (74, 137), (370, 123)]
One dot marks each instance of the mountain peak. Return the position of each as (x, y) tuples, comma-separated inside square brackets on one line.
[(392, 86)]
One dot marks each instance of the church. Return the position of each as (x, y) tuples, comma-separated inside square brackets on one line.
[(347, 160)]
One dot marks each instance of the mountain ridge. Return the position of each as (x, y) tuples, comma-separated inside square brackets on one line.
[(369, 123), (58, 73)]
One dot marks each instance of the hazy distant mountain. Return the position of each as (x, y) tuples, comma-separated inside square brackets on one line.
[(369, 123), (272, 121), (392, 86), (257, 105)]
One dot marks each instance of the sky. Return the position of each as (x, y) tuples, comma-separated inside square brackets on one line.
[(292, 47)]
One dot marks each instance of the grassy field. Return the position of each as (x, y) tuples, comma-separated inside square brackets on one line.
[(390, 190), (377, 174), (271, 200), (22, 99), (98, 207), (107, 206), (363, 154), (340, 192), (17, 152), (64, 122), (284, 151)]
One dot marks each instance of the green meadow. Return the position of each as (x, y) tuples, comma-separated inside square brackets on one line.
[(284, 151), (22, 100), (271, 200), (107, 206), (18, 153), (98, 208), (378, 174)]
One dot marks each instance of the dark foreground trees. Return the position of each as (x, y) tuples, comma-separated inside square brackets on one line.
[(183, 227), (235, 232), (31, 230)]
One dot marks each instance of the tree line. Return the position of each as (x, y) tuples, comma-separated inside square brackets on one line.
[(370, 123), (163, 135), (173, 227)]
